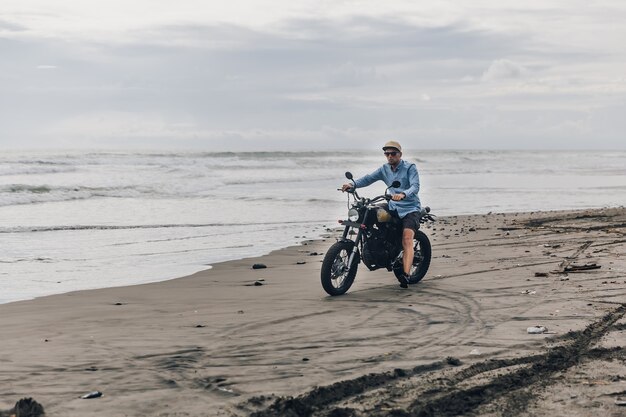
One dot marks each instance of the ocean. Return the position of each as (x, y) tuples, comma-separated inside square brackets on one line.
[(76, 220)]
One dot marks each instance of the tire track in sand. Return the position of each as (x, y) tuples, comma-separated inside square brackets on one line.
[(446, 396)]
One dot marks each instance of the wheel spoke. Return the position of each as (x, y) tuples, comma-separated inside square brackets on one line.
[(339, 271)]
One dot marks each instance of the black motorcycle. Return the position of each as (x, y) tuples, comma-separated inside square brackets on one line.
[(378, 243)]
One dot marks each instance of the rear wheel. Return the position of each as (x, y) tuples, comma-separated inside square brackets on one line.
[(336, 278), (421, 259)]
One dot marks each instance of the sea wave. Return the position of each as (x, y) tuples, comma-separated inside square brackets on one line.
[(35, 189), (278, 179), (80, 227), (27, 169), (19, 194)]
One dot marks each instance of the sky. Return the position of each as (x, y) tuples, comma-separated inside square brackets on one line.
[(312, 74)]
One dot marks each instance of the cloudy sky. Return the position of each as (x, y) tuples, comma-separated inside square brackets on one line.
[(312, 74)]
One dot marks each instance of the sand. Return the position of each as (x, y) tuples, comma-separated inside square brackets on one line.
[(215, 344)]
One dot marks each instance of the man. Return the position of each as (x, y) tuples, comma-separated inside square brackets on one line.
[(404, 199)]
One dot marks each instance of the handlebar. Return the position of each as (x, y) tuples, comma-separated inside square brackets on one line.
[(369, 201), (380, 197), (424, 215), (351, 191)]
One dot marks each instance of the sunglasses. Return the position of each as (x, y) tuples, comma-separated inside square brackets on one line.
[(391, 153)]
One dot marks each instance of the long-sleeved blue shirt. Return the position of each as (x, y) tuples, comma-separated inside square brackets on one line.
[(407, 174)]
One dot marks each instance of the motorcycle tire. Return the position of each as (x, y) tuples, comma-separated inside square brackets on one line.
[(336, 279), (421, 259)]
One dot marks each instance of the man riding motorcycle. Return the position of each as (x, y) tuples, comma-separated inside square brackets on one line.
[(404, 202)]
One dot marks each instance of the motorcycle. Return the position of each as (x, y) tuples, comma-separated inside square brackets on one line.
[(378, 243)]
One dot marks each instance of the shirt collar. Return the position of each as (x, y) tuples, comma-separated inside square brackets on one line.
[(398, 167)]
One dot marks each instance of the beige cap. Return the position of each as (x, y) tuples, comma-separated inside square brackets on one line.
[(392, 144)]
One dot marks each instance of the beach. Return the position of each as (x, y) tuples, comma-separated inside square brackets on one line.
[(236, 341)]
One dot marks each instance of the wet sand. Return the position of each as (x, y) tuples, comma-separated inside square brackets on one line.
[(216, 344)]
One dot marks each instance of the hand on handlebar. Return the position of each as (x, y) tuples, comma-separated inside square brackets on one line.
[(398, 197), (346, 187)]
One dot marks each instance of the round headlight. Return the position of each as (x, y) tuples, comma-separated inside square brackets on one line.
[(353, 215)]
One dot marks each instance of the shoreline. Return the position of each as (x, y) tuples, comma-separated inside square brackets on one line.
[(318, 235), (210, 342)]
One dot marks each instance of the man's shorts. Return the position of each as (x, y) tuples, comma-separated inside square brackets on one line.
[(411, 221)]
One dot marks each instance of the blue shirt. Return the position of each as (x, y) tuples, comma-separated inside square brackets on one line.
[(406, 173)]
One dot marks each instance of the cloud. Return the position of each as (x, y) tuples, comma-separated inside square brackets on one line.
[(351, 75), (502, 69), (6, 26), (299, 83)]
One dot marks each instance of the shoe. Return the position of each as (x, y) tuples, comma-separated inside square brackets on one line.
[(404, 281)]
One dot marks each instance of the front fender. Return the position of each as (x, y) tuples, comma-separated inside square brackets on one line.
[(346, 240), (348, 223)]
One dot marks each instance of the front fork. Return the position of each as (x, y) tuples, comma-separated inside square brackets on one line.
[(354, 249), (356, 241)]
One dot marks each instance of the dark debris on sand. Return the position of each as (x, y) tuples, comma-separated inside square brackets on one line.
[(26, 407)]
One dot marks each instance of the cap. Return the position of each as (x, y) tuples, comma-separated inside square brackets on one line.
[(392, 144)]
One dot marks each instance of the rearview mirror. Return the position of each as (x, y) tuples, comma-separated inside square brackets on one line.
[(349, 175), (395, 184)]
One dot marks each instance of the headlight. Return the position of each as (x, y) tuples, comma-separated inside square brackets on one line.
[(353, 215)]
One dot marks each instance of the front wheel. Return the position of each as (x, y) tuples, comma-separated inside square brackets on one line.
[(336, 278), (421, 259)]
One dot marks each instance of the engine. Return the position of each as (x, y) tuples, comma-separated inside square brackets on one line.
[(377, 251)]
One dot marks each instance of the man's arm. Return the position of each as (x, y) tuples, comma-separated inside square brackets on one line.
[(369, 178), (414, 181)]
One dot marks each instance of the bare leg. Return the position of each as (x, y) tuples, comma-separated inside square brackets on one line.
[(407, 246)]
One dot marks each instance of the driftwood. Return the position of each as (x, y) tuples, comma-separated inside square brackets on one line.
[(567, 267), (567, 261), (581, 268)]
